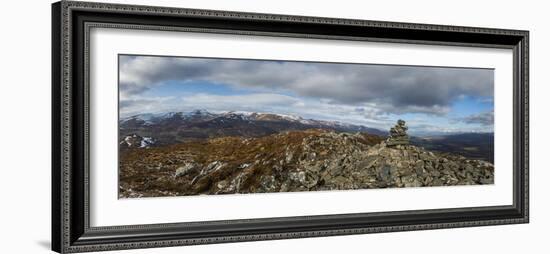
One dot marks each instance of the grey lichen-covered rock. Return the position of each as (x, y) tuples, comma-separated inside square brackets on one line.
[(319, 161), (384, 166), (186, 169), (205, 171), (268, 183), (239, 181)]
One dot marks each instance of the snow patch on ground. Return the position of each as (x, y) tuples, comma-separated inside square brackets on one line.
[(146, 142)]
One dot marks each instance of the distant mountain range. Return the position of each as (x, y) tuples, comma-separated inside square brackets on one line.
[(175, 127), (146, 130), (471, 145)]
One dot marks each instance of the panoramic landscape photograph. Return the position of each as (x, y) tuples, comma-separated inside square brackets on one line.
[(209, 126)]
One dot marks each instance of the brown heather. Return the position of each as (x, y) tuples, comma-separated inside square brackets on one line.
[(306, 160)]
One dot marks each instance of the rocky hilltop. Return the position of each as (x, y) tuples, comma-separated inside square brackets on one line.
[(305, 160)]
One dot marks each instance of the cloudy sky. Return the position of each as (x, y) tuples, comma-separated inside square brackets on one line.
[(431, 99)]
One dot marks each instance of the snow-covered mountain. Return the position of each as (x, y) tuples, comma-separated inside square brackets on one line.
[(204, 115), (173, 127), (135, 140)]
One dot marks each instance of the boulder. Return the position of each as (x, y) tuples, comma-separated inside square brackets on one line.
[(186, 169)]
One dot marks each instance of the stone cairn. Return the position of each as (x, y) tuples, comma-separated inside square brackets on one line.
[(398, 134)]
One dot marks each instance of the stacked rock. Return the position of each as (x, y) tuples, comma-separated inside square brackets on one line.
[(398, 134)]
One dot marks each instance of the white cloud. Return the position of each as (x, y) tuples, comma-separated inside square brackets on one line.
[(365, 114), (368, 115), (239, 102), (138, 104), (484, 118), (393, 89)]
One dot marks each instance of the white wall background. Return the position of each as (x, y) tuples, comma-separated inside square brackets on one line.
[(25, 125)]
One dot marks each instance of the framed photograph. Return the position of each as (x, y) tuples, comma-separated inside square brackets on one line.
[(182, 126)]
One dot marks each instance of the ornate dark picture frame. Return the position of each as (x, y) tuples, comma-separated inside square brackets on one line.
[(71, 22)]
